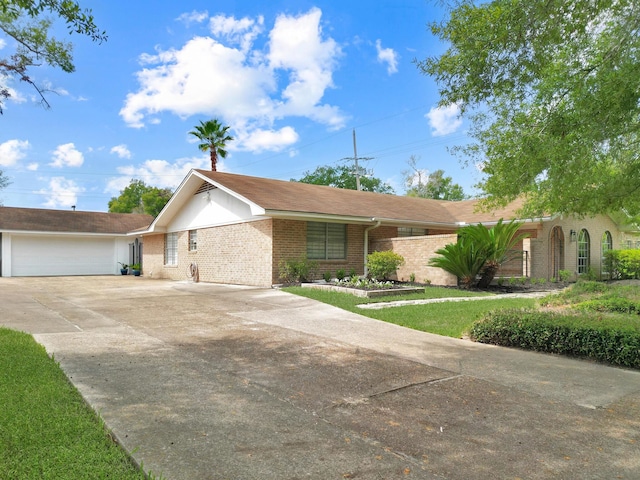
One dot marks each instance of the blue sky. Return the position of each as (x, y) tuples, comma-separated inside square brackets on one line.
[(292, 79)]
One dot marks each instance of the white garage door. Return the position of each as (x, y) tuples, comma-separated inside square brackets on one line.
[(50, 256)]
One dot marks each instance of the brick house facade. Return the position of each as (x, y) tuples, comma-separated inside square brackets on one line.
[(237, 229)]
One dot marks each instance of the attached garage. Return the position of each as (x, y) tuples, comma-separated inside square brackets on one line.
[(38, 242)]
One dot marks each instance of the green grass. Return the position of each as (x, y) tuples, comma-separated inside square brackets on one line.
[(452, 319), (47, 431)]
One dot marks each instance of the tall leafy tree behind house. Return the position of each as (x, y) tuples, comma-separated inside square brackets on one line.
[(4, 182), (436, 185), (137, 197), (343, 177), (27, 26), (213, 138), (552, 90)]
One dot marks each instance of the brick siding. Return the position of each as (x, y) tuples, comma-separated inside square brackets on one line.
[(236, 254), (416, 252)]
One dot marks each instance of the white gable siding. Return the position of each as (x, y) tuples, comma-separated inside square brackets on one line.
[(210, 209)]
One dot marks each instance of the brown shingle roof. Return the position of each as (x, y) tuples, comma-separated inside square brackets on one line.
[(279, 195), (42, 220)]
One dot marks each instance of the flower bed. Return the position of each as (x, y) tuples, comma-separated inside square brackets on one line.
[(368, 291)]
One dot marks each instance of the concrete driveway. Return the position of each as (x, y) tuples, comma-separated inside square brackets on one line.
[(203, 381)]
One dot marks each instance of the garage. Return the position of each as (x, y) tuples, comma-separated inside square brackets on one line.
[(55, 255), (39, 242)]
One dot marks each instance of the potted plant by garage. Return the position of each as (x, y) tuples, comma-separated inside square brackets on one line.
[(135, 268), (124, 268)]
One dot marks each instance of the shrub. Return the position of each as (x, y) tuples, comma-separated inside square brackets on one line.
[(340, 274), (613, 304), (564, 275), (412, 278), (383, 264), (613, 340), (622, 264), (297, 270), (326, 276), (352, 272)]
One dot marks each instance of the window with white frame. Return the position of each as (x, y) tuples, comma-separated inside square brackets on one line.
[(584, 247), (171, 249), (326, 241), (193, 240)]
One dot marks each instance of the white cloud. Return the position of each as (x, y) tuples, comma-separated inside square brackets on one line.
[(12, 151), (193, 17), (33, 167), (67, 155), (121, 150), (3, 43), (270, 140), (249, 86), (388, 56), (159, 173), (61, 193), (444, 120), (241, 32)]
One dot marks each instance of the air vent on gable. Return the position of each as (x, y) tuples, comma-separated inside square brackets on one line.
[(205, 187)]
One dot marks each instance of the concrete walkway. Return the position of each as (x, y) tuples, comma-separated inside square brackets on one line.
[(203, 381)]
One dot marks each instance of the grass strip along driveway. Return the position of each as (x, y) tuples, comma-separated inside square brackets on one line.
[(451, 319), (46, 429)]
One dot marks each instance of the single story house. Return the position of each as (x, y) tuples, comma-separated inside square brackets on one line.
[(41, 242), (238, 229)]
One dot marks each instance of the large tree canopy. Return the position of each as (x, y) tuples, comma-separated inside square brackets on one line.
[(342, 176), (434, 185), (552, 88), (137, 197), (26, 26)]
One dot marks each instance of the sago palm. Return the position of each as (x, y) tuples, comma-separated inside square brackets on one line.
[(493, 244), (214, 139), (462, 259)]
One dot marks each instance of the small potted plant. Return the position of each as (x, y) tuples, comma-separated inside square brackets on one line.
[(135, 268), (124, 268)]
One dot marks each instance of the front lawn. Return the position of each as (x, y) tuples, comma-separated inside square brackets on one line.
[(589, 319), (47, 431), (451, 319)]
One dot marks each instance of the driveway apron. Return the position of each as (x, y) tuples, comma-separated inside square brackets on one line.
[(205, 381)]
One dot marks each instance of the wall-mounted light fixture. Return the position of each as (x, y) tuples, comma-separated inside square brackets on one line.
[(572, 235)]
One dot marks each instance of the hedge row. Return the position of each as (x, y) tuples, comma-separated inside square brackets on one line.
[(612, 340)]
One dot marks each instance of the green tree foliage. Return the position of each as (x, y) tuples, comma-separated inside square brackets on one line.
[(137, 197), (27, 27), (479, 251), (343, 177), (4, 182), (213, 139), (435, 185), (552, 88)]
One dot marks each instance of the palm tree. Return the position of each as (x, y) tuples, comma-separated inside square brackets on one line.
[(214, 138), (463, 259), (495, 245), (479, 251)]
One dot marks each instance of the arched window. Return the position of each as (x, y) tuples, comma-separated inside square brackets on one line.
[(584, 248), (607, 244)]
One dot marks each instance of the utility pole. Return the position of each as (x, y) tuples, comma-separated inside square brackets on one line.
[(355, 160)]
